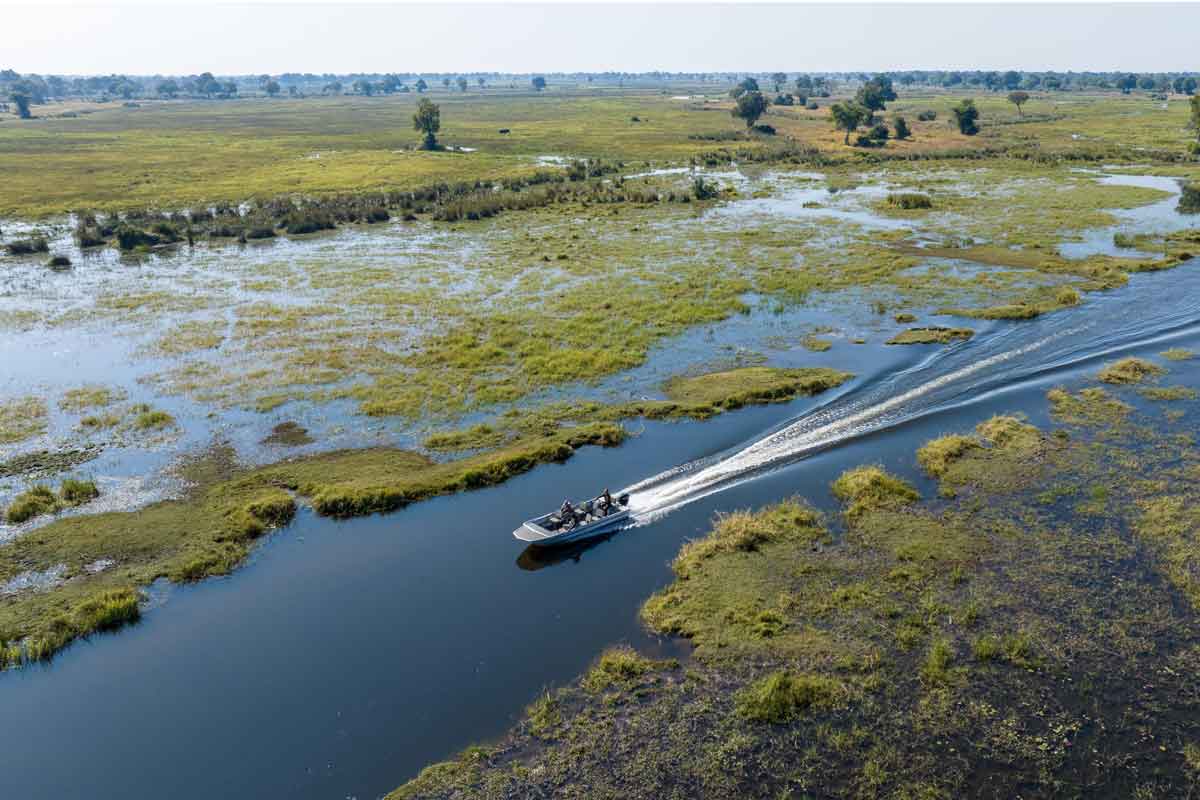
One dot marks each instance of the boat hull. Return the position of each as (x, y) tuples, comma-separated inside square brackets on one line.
[(533, 533)]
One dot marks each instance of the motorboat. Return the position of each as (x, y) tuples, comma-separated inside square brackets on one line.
[(585, 520)]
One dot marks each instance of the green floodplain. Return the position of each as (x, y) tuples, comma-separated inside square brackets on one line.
[(911, 646)]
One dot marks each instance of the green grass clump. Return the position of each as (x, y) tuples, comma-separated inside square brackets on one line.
[(33, 502), (1005, 430), (1130, 370), (21, 419), (936, 455), (152, 419), (910, 201), (107, 611), (932, 335), (40, 499), (739, 387), (782, 696), (905, 317), (76, 492), (935, 670), (86, 397), (1090, 406), (872, 488), (619, 666), (748, 532), (474, 438), (543, 714), (1168, 393), (815, 343), (1178, 354)]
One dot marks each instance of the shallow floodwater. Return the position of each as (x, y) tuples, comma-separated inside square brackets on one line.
[(348, 655)]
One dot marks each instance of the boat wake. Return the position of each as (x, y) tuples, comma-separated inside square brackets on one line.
[(1003, 358)]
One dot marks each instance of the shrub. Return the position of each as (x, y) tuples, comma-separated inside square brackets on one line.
[(765, 130), (902, 129), (260, 232), (377, 214), (927, 116), (783, 695), (58, 262), (129, 238), (704, 190), (25, 247), (1189, 200), (301, 223)]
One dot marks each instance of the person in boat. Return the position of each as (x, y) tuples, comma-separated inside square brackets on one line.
[(567, 513), (605, 502)]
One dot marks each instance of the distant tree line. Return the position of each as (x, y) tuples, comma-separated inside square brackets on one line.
[(26, 91)]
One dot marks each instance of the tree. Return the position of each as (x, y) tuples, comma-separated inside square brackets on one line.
[(446, 82), (1011, 79), (538, 82), (848, 116), (779, 79), (875, 93), (1018, 99), (333, 87), (168, 88), (804, 85), (1127, 83), (207, 85), (902, 129), (482, 83), (462, 84), (428, 120), (749, 107), (1183, 85), (1146, 83), (743, 86), (1195, 122), (967, 117), (272, 88), (20, 98), (364, 87), (421, 85)]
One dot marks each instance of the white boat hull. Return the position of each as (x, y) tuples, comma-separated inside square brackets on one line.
[(532, 531)]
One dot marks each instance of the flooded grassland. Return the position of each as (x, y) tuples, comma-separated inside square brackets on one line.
[(183, 371)]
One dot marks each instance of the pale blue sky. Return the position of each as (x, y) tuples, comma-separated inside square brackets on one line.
[(172, 38)]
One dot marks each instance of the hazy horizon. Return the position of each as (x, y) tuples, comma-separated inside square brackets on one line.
[(180, 39)]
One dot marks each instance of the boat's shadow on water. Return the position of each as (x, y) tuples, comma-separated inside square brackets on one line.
[(533, 558)]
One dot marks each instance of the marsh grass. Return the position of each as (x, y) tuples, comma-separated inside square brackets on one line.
[(621, 667), (931, 335), (151, 419), (22, 418), (1178, 354), (872, 488), (1130, 370), (910, 201), (936, 455), (33, 502), (781, 696)]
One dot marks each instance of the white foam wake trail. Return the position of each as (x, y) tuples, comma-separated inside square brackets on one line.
[(667, 491)]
